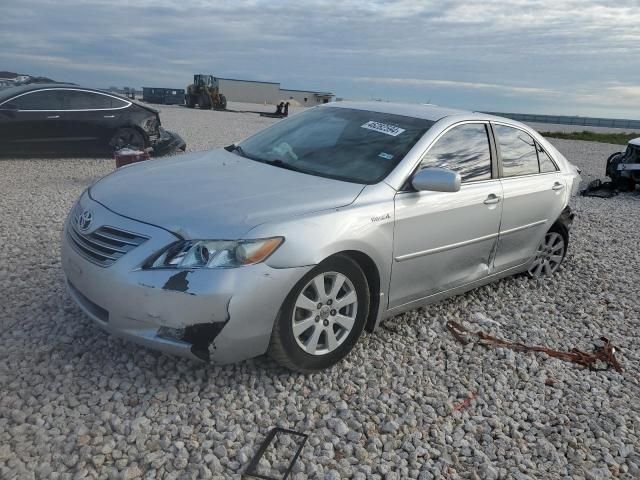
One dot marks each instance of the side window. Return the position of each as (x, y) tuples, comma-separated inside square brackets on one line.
[(39, 100), (464, 149), (77, 100), (518, 151), (546, 164)]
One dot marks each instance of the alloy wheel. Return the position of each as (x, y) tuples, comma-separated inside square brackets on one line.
[(549, 256), (324, 313)]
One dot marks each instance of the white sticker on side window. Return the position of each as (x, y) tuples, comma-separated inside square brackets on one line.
[(386, 156), (385, 128)]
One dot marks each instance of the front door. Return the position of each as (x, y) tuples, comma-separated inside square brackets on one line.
[(30, 123), (444, 240)]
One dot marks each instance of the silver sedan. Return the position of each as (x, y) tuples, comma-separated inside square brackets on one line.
[(295, 240)]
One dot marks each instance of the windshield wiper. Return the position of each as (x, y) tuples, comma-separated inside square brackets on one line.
[(285, 165), (236, 148)]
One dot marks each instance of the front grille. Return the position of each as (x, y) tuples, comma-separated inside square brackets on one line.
[(104, 245)]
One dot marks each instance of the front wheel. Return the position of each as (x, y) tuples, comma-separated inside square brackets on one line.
[(322, 317), (550, 254)]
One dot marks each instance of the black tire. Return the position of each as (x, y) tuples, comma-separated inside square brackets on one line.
[(223, 103), (189, 101), (284, 348), (204, 101), (128, 137)]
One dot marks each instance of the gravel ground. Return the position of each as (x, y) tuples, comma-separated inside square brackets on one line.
[(409, 402)]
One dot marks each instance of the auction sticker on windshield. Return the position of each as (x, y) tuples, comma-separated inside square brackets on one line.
[(385, 128)]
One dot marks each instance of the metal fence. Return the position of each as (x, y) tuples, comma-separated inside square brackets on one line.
[(565, 120)]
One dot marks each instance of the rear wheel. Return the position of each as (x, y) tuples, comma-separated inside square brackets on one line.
[(322, 317), (550, 254), (223, 103), (128, 137)]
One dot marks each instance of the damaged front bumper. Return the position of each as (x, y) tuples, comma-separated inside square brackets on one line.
[(222, 315), (167, 142)]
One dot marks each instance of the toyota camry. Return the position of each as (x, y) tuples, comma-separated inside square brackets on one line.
[(295, 240)]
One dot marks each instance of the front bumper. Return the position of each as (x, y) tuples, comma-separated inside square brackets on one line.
[(173, 310)]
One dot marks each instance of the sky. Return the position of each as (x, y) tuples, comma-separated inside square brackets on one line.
[(571, 57)]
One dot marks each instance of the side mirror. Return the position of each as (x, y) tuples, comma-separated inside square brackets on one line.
[(436, 180), (9, 106)]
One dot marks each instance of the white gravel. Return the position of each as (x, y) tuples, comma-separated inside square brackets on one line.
[(78, 403)]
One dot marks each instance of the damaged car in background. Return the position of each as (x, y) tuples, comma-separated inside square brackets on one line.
[(295, 240), (624, 167), (64, 119)]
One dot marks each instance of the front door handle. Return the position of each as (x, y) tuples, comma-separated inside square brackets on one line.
[(109, 116), (492, 200), (557, 186), (52, 117)]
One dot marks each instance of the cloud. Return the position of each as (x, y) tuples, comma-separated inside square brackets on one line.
[(525, 55), (454, 84)]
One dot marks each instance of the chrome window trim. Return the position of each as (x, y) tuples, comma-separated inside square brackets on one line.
[(128, 104)]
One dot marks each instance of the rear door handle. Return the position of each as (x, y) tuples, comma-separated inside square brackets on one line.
[(492, 199), (109, 116), (53, 117), (557, 186)]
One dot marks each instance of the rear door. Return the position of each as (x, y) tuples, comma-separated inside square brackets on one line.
[(534, 193), (443, 240), (30, 122), (91, 118)]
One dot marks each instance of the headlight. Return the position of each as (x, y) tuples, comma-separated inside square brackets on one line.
[(215, 253)]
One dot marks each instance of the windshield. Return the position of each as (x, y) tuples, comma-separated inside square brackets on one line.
[(346, 144)]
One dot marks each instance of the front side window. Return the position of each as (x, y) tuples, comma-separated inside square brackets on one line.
[(342, 143), (464, 149), (518, 151), (546, 164), (39, 100), (79, 100)]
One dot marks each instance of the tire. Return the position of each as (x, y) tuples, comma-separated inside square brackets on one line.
[(128, 137), (223, 103), (550, 254), (311, 347), (189, 101), (204, 101)]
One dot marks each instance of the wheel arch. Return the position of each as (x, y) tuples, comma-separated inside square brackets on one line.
[(370, 270), (564, 222)]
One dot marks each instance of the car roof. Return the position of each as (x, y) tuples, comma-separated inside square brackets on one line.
[(10, 92), (425, 111)]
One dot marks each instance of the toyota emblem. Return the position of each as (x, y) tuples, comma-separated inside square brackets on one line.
[(84, 220)]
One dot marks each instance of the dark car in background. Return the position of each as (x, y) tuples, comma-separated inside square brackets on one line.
[(54, 119)]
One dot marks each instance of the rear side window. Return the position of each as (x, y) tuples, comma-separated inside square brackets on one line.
[(546, 164), (518, 151), (77, 100), (463, 149), (40, 100)]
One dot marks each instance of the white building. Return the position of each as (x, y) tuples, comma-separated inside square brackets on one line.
[(251, 91)]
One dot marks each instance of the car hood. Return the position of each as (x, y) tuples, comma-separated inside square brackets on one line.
[(216, 194)]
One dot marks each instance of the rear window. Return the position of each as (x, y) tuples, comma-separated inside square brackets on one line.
[(546, 164), (346, 144), (79, 100), (518, 151)]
